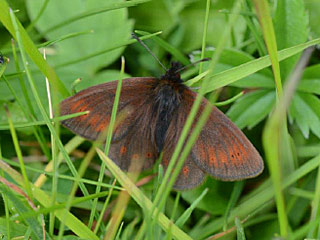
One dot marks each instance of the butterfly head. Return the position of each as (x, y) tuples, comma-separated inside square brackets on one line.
[(173, 73)]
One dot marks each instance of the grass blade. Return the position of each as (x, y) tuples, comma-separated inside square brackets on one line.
[(234, 74), (140, 198), (185, 216)]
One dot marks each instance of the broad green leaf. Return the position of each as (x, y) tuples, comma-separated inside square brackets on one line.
[(305, 111), (313, 8), (291, 28), (31, 49), (310, 81), (218, 191), (312, 71), (309, 85), (252, 108), (21, 207), (103, 77), (15, 110), (265, 230), (192, 17), (162, 19), (108, 28), (16, 229)]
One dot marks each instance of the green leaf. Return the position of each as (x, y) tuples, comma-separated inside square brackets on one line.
[(229, 76), (310, 81), (102, 77), (186, 215), (31, 49), (116, 25), (252, 108), (21, 207), (313, 8), (153, 20), (305, 110), (291, 28), (16, 229), (218, 191), (231, 58), (192, 17), (309, 85)]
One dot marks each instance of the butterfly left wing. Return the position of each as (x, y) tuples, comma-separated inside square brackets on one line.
[(131, 139), (98, 101), (136, 151)]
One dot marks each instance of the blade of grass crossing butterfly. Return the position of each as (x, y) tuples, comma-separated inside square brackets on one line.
[(140, 197), (108, 141)]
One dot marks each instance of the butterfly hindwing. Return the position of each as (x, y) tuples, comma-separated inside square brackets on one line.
[(222, 150), (138, 144), (190, 175)]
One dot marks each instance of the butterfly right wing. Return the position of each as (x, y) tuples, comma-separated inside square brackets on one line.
[(221, 149), (190, 175)]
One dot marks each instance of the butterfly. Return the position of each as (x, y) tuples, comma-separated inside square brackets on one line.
[(155, 111)]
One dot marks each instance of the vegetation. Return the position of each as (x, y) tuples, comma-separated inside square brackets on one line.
[(55, 185)]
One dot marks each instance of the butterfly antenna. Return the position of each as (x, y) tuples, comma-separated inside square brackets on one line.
[(148, 49), (192, 64)]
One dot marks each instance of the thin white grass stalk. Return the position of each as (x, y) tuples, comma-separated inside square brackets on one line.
[(38, 101), (53, 154)]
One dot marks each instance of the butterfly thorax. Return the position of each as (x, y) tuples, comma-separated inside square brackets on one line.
[(168, 94)]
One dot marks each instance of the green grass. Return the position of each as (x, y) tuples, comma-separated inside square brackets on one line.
[(254, 75)]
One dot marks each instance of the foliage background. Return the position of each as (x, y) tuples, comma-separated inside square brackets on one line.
[(182, 25)]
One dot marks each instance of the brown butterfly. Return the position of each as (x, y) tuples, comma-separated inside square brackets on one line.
[(156, 110)]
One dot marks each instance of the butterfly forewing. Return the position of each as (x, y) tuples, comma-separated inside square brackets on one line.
[(98, 100), (131, 138), (190, 175)]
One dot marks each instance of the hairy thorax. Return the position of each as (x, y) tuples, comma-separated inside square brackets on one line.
[(168, 97)]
